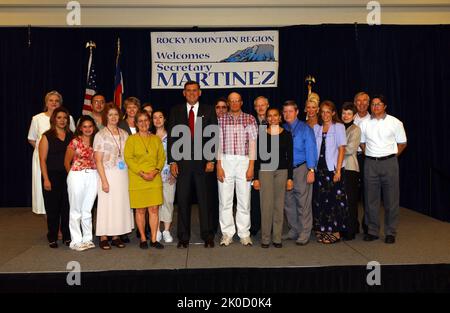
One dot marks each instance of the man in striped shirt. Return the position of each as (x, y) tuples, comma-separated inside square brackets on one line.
[(235, 167)]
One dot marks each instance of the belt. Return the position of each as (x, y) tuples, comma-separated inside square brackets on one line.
[(381, 158), (300, 164)]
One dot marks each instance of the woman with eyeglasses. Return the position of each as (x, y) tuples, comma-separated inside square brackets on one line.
[(114, 216), (221, 107), (145, 157)]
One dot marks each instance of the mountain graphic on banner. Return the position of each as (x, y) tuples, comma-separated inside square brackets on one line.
[(263, 52)]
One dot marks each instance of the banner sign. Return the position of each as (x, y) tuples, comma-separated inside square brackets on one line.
[(215, 59)]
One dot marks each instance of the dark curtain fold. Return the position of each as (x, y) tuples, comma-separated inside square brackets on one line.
[(410, 65)]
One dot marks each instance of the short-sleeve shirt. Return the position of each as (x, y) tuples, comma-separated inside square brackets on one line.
[(381, 136), (111, 146), (236, 133), (358, 120), (40, 123), (84, 155)]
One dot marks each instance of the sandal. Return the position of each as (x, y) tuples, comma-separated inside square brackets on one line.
[(319, 236), (328, 238), (118, 243), (104, 244)]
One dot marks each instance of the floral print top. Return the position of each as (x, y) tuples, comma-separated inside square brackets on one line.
[(84, 155)]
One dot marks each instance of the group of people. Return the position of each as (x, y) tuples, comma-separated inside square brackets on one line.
[(263, 167)]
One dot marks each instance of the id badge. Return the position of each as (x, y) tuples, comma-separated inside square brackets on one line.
[(121, 165)]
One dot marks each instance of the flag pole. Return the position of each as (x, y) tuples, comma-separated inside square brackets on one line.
[(91, 45), (118, 80), (90, 80), (118, 49)]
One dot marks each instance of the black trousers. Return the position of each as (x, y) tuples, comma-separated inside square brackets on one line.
[(57, 206), (213, 201), (189, 176), (255, 212), (361, 159), (351, 181)]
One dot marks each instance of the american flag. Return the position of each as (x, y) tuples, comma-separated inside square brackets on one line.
[(91, 86)]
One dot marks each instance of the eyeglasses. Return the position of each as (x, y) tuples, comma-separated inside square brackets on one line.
[(98, 101), (377, 104)]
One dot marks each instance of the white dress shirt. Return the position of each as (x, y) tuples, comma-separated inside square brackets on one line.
[(195, 109), (381, 136)]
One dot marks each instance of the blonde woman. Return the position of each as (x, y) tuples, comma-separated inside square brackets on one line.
[(312, 109), (40, 123), (132, 106)]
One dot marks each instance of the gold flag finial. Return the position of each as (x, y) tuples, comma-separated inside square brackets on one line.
[(310, 80), (90, 44)]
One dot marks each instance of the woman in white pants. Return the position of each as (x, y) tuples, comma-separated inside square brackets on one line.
[(166, 209), (81, 183)]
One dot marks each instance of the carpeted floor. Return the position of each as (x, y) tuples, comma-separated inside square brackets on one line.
[(24, 249)]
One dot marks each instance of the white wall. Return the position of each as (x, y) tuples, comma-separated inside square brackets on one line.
[(230, 13)]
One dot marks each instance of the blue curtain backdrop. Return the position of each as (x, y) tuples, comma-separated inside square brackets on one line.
[(409, 64)]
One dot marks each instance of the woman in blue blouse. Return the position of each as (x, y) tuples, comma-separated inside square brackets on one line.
[(329, 199)]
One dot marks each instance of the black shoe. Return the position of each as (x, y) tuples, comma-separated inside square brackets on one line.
[(125, 238), (370, 237), (143, 245), (277, 245), (210, 243), (389, 239), (53, 245), (182, 244), (156, 245), (265, 245), (365, 229), (67, 242)]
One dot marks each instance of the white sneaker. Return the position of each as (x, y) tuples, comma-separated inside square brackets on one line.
[(89, 245), (247, 241), (78, 247), (226, 241), (167, 236), (158, 236)]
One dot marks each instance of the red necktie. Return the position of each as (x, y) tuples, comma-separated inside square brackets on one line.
[(191, 121)]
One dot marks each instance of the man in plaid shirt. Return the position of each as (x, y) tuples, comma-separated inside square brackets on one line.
[(235, 167)]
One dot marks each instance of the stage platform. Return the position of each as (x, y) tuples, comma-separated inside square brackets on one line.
[(418, 261)]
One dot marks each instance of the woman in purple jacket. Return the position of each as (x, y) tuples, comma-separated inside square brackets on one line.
[(330, 209)]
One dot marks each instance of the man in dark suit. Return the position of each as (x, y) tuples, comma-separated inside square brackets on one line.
[(190, 169)]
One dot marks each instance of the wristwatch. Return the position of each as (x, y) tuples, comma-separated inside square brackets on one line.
[(311, 170)]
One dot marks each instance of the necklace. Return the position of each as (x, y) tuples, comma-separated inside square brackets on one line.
[(143, 142), (119, 145)]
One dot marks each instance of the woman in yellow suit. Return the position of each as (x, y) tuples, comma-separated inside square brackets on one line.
[(145, 157)]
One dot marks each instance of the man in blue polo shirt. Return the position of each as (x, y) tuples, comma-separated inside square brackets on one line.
[(297, 203)]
